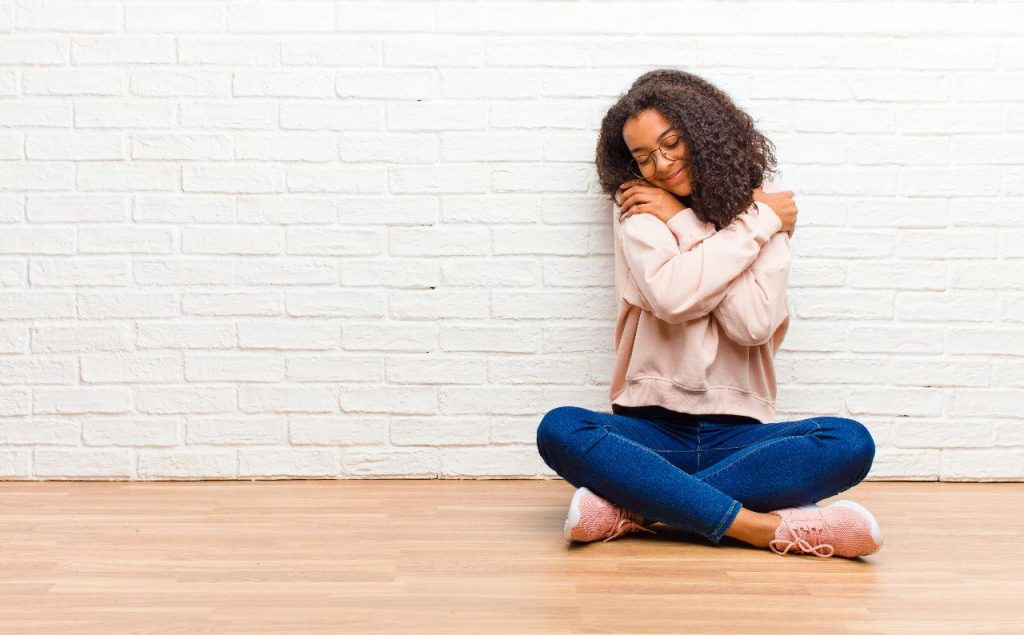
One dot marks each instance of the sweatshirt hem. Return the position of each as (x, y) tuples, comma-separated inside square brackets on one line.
[(731, 400)]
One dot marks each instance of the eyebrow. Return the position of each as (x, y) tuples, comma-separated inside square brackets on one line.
[(659, 139)]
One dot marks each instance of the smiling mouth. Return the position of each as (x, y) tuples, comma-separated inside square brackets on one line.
[(674, 175)]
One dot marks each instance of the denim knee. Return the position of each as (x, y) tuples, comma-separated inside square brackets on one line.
[(556, 426), (857, 444)]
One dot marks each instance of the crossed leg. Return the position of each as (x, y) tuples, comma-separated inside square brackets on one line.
[(711, 478)]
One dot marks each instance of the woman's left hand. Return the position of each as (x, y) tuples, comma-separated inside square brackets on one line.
[(640, 197)]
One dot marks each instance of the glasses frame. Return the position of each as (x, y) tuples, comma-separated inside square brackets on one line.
[(635, 165)]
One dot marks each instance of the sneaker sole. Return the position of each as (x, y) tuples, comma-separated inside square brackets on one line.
[(573, 518), (876, 531)]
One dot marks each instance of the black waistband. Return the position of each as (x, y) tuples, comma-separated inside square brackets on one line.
[(659, 412)]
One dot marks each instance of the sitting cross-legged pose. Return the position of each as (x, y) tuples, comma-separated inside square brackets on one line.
[(701, 264)]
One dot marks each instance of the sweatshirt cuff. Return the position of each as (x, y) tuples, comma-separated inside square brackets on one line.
[(688, 229), (765, 221)]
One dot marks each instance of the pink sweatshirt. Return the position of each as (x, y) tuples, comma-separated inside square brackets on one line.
[(701, 313)]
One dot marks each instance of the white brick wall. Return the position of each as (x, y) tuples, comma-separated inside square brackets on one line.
[(363, 239)]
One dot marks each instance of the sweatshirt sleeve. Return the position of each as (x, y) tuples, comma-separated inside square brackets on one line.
[(755, 304), (686, 285)]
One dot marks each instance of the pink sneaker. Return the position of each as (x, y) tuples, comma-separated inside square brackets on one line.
[(843, 528), (592, 517)]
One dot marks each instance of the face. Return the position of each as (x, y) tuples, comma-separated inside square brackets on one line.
[(642, 134)]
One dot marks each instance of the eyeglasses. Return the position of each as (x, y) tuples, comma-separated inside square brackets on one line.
[(671, 147)]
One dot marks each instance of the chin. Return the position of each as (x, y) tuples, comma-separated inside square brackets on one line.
[(682, 189)]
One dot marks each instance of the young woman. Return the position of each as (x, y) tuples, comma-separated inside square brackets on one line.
[(701, 264)]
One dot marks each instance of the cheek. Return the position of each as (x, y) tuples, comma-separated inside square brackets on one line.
[(687, 184), (683, 189)]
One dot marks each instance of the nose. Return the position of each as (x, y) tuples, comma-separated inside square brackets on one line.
[(668, 165)]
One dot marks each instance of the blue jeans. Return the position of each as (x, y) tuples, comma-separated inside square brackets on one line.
[(694, 472)]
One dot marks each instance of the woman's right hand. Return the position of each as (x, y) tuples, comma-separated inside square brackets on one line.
[(782, 204)]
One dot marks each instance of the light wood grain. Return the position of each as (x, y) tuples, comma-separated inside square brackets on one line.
[(467, 556)]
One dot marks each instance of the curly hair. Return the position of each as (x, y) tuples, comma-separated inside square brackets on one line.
[(727, 157)]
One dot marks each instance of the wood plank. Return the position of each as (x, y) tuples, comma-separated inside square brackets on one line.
[(468, 555)]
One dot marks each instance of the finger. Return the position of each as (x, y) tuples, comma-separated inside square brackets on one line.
[(624, 192), (639, 207), (633, 199), (625, 196), (636, 189)]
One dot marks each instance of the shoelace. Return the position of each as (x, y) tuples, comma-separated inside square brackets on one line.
[(807, 540), (624, 525)]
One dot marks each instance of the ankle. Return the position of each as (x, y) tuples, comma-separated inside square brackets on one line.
[(754, 528), (768, 525), (772, 522)]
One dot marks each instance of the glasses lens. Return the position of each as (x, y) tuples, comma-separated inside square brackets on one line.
[(672, 148)]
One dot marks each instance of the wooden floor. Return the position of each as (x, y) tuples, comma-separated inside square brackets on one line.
[(465, 556)]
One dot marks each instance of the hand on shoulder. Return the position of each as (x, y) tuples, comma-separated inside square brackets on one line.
[(639, 197), (782, 204)]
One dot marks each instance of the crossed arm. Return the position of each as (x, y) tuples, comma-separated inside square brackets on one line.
[(755, 304), (685, 270)]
